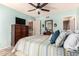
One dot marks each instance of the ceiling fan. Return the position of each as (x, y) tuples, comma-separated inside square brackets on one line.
[(38, 7)]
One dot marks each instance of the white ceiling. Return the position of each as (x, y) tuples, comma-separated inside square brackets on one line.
[(53, 7)]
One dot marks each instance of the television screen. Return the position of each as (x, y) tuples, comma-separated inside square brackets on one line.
[(20, 21)]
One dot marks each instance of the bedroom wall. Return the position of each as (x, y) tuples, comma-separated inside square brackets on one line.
[(7, 17), (58, 18), (77, 17)]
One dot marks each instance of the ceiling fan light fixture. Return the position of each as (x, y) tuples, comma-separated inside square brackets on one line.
[(37, 10)]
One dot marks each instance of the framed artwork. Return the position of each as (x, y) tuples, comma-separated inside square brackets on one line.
[(49, 25)]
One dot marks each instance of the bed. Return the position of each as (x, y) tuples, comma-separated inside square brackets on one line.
[(38, 45)]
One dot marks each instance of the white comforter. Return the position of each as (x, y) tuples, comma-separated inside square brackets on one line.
[(37, 46)]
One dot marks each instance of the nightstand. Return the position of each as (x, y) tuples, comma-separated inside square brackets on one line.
[(47, 33)]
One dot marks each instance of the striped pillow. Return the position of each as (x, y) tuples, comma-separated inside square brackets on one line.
[(60, 40)]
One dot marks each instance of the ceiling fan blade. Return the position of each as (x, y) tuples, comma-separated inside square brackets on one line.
[(43, 5), (33, 5), (45, 10), (31, 10)]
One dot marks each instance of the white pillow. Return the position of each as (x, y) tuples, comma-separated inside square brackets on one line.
[(77, 31), (60, 39), (50, 37), (71, 41)]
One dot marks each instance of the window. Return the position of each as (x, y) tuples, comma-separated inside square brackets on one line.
[(66, 25)]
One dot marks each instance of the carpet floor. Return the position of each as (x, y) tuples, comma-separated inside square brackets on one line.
[(6, 52)]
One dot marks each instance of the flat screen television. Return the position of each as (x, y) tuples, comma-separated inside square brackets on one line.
[(20, 21)]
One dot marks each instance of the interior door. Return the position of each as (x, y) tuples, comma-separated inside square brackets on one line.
[(36, 27)]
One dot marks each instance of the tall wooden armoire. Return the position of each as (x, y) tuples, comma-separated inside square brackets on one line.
[(18, 32)]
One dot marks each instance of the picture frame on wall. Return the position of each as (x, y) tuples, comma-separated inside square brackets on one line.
[(49, 25)]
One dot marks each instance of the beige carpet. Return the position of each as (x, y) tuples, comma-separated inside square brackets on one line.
[(6, 52)]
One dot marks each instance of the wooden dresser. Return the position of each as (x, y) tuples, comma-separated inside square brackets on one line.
[(18, 32)]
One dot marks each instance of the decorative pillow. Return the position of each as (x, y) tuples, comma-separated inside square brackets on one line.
[(60, 40), (77, 31), (54, 36), (50, 37), (71, 41), (69, 32)]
